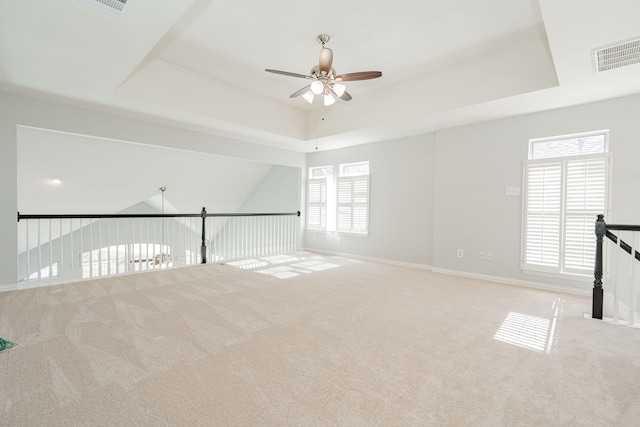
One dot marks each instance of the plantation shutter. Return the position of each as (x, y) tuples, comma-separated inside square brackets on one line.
[(586, 184), (563, 198), (317, 203), (543, 214), (353, 204)]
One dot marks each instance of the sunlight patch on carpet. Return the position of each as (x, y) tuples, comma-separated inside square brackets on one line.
[(531, 332), (247, 264), (280, 259), (315, 265), (525, 331), (286, 266)]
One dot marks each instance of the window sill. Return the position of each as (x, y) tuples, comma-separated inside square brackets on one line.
[(353, 233), (317, 230), (343, 233)]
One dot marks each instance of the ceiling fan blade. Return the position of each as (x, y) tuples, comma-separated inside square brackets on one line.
[(362, 75), (326, 59), (300, 92), (287, 73), (345, 96)]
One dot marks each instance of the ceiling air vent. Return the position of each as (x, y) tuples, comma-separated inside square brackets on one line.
[(113, 7), (616, 56)]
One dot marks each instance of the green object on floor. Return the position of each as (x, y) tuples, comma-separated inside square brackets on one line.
[(6, 344)]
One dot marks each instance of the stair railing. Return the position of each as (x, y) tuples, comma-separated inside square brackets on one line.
[(605, 230), (56, 248)]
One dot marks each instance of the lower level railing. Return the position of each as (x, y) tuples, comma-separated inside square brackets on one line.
[(73, 247), (621, 296)]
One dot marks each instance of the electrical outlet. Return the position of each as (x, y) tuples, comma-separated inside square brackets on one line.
[(489, 256), (460, 253), (513, 191), (483, 255)]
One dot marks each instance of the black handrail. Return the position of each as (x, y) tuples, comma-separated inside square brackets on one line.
[(623, 227), (602, 230), (623, 245), (203, 214), (96, 216)]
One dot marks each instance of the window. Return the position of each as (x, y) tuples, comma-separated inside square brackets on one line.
[(566, 181), (353, 198), (353, 169), (320, 179), (340, 204)]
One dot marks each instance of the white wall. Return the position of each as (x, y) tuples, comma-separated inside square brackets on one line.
[(430, 194), (8, 194), (452, 184), (401, 201), (278, 192), (475, 164), (17, 110)]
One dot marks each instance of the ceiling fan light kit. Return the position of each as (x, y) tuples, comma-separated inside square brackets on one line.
[(325, 79), (317, 87), (328, 99)]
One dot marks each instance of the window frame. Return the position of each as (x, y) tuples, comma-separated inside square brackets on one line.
[(567, 161)]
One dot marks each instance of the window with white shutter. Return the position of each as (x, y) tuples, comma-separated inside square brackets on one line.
[(586, 184), (318, 186), (353, 198), (317, 203), (543, 214), (566, 183)]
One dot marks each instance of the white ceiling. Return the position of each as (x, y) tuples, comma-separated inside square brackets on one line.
[(200, 63)]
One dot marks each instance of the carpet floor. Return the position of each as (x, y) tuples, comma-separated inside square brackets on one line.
[(311, 340)]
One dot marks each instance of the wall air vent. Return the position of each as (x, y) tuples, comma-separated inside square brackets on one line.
[(616, 56), (113, 7)]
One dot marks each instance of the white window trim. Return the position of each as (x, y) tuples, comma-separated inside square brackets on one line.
[(570, 136)]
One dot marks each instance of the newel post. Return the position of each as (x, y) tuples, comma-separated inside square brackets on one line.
[(203, 247), (596, 308)]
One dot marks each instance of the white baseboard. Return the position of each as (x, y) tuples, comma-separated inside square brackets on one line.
[(365, 258), (497, 279), (516, 282), (610, 320), (7, 288)]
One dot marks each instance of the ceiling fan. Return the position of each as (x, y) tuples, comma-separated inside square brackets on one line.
[(324, 80)]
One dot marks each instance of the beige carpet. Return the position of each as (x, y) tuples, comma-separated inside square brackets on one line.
[(311, 340)]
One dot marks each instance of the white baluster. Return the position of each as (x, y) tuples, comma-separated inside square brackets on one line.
[(50, 252), (616, 271), (61, 261), (633, 305), (71, 255), (39, 254), (28, 253)]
